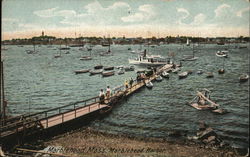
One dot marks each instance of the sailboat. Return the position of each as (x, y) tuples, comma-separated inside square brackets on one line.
[(190, 57), (87, 57), (32, 51), (107, 53), (58, 55), (188, 44)]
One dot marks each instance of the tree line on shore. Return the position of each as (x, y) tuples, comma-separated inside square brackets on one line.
[(51, 40)]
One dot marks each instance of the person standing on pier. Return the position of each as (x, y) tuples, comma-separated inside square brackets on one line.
[(108, 92), (126, 84), (131, 82), (101, 96)]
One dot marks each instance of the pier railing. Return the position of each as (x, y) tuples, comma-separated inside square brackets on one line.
[(21, 122)]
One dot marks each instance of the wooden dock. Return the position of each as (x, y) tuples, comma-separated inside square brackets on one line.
[(67, 113)]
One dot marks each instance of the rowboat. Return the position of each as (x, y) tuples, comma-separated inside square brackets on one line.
[(183, 75), (244, 77), (81, 71), (94, 72), (200, 71), (158, 78), (98, 66), (210, 75), (221, 71), (86, 58), (149, 85), (130, 68), (165, 74), (222, 53), (121, 71), (108, 68), (108, 73)]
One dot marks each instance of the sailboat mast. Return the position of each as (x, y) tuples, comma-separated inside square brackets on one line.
[(193, 50)]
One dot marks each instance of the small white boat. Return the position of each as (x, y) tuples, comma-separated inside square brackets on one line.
[(244, 77), (121, 71), (149, 84), (158, 78), (199, 71), (221, 71), (130, 68), (183, 75), (165, 74), (210, 75), (222, 53)]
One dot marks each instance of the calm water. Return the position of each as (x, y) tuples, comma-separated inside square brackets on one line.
[(36, 82)]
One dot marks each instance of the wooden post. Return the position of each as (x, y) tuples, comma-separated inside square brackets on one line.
[(62, 118), (75, 109), (46, 116)]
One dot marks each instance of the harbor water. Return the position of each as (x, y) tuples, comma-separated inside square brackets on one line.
[(37, 82)]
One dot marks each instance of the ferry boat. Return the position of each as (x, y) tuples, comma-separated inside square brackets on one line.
[(148, 60)]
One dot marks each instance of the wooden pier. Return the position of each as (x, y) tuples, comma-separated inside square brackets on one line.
[(38, 122)]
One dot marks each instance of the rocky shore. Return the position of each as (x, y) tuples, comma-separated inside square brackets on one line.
[(89, 142)]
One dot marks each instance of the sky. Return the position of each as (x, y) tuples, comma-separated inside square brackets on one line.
[(129, 18)]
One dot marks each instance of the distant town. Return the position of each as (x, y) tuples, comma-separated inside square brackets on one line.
[(51, 40)]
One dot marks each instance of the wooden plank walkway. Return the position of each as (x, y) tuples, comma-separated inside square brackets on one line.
[(67, 116)]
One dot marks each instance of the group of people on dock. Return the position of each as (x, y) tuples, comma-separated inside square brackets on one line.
[(102, 95), (129, 83)]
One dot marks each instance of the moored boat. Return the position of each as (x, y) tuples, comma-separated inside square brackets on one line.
[(158, 78), (199, 71), (210, 75), (121, 71), (94, 72), (222, 53), (108, 73), (244, 77), (221, 71), (149, 84), (98, 66), (109, 68), (81, 71), (183, 75), (86, 58), (130, 68), (165, 74)]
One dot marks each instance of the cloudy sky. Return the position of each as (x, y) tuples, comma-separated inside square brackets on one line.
[(131, 18)]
